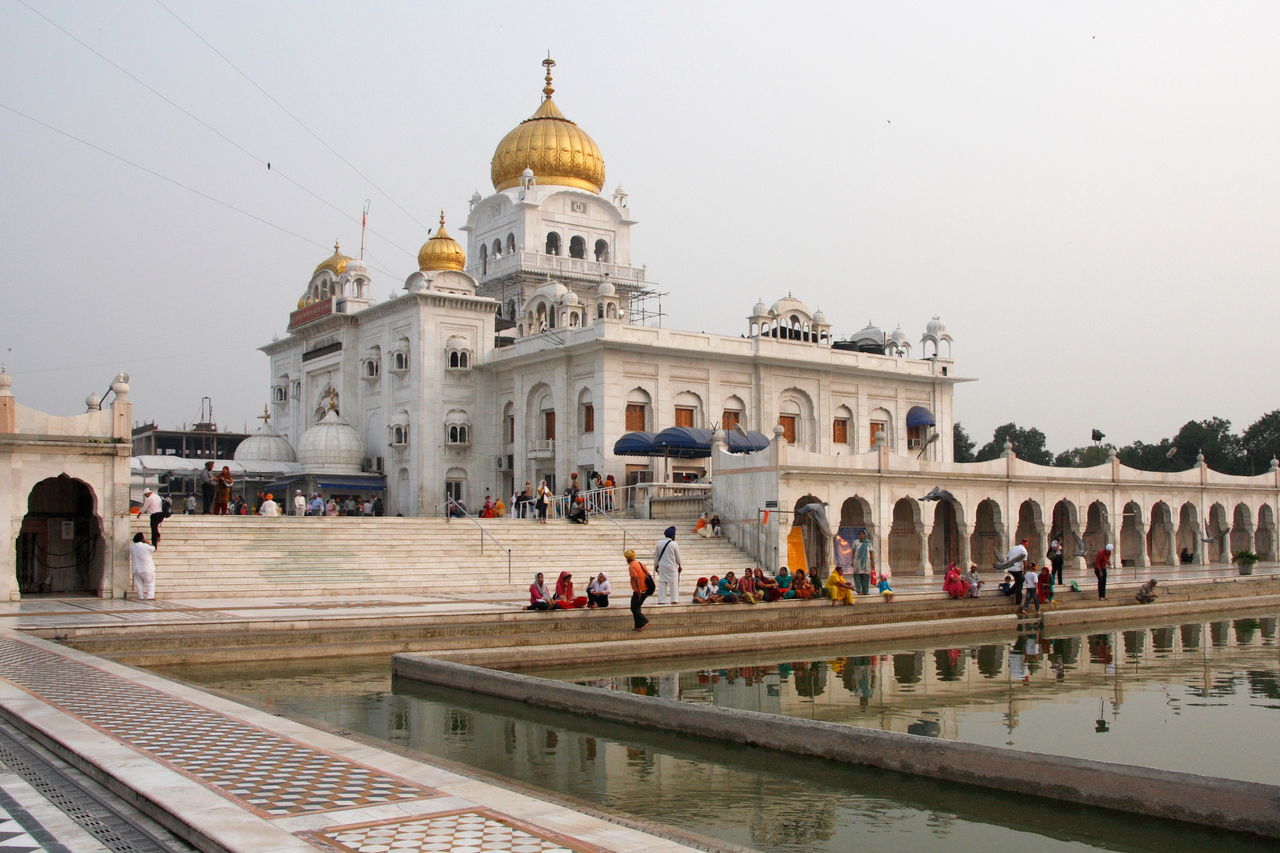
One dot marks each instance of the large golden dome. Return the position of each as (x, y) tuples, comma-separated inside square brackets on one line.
[(441, 252), (558, 151), (335, 263)]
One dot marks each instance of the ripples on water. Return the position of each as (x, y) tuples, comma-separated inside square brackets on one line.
[(1111, 695)]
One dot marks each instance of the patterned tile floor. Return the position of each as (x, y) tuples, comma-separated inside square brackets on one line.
[(19, 830), (265, 772), (469, 831)]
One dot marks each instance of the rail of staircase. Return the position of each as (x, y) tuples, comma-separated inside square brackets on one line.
[(453, 510)]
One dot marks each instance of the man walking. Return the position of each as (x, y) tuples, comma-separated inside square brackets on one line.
[(206, 487), (864, 563), (153, 510), (666, 560), (1056, 559)]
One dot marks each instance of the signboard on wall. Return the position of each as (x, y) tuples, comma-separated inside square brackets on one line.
[(311, 313)]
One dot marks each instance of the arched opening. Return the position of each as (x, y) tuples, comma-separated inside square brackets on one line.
[(1065, 527), (60, 547), (1160, 536), (497, 248), (1097, 529), (1031, 528), (987, 542), (816, 541), (1241, 529), (1217, 530), (511, 243), (1264, 541), (1189, 544), (944, 538), (484, 258), (553, 243), (602, 251), (612, 311), (855, 514), (577, 247), (688, 410), (1133, 540), (733, 414), (905, 539), (880, 429)]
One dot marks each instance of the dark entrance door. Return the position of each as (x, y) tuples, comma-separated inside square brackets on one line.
[(59, 548)]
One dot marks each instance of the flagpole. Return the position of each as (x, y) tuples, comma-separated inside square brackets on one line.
[(364, 222)]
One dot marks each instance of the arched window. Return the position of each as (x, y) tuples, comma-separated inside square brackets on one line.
[(688, 409), (577, 247), (453, 359), (457, 427), (602, 251), (484, 259), (733, 414), (497, 248), (511, 309), (399, 435), (371, 364), (400, 356), (637, 413), (511, 243), (280, 394), (463, 360), (840, 426), (553, 243)]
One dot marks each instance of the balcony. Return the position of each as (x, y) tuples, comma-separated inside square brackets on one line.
[(557, 265), (543, 449)]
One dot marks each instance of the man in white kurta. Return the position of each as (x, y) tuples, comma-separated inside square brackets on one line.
[(142, 565), (269, 508), (299, 503), (666, 559)]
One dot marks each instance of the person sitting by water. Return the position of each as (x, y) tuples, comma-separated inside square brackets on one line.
[(539, 595), (578, 512), (564, 597), (704, 593), (1006, 585), (885, 589), (716, 530), (499, 508), (1146, 593), (747, 588), (838, 589), (766, 587), (728, 589), (1044, 585), (703, 527), (953, 584), (801, 586), (598, 591), (784, 580), (974, 581)]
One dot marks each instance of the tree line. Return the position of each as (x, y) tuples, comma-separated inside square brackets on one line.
[(1249, 452)]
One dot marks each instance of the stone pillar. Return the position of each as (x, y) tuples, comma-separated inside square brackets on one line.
[(926, 565), (966, 534)]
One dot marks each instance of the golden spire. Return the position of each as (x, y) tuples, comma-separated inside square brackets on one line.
[(441, 252), (548, 90)]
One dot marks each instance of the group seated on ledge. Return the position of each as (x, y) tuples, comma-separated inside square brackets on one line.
[(755, 587)]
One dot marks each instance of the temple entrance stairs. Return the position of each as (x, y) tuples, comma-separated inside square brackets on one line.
[(205, 556)]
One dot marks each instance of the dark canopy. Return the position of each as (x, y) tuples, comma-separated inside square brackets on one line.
[(684, 443), (634, 444), (920, 416)]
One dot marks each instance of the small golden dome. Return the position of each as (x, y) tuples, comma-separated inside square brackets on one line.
[(441, 252), (336, 263), (558, 151)]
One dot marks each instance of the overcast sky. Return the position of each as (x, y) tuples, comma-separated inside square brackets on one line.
[(1087, 193)]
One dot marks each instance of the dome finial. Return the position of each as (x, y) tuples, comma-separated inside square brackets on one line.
[(548, 90), (265, 417), (442, 217)]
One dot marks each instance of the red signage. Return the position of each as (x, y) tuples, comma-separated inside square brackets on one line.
[(311, 313)]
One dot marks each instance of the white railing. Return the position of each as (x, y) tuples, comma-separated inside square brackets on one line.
[(557, 264)]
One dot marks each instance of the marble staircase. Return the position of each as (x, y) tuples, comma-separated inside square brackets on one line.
[(211, 557)]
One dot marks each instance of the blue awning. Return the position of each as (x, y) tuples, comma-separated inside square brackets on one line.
[(371, 483), (750, 443), (683, 443), (920, 416), (635, 444)]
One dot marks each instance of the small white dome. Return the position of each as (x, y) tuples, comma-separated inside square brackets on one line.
[(553, 290), (331, 447), (790, 303), (870, 332), (527, 173), (760, 309), (936, 327), (898, 336), (819, 318), (570, 298), (606, 288), (265, 445)]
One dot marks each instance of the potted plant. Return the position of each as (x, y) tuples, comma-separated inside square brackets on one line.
[(1244, 561)]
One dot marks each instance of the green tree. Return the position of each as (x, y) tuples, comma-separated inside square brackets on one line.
[(1154, 457), (961, 443), (1261, 442), (1082, 457), (1028, 444), (1212, 437)]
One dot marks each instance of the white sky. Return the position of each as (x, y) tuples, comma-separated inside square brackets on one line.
[(1087, 193)]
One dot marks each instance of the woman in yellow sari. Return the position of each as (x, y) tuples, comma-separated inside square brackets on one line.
[(839, 589)]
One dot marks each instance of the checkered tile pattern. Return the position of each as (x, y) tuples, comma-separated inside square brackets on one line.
[(269, 773), (14, 838), (458, 832)]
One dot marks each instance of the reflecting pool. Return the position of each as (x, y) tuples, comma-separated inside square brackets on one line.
[(987, 689), (1192, 697)]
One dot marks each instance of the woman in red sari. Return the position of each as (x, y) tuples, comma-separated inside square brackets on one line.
[(564, 597), (955, 584)]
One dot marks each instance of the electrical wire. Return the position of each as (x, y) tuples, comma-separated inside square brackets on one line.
[(297, 120), (256, 158), (173, 181)]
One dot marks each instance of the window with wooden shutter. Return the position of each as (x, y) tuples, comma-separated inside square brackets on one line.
[(588, 418), (684, 416), (549, 425), (788, 424), (635, 417), (840, 431), (730, 419)]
